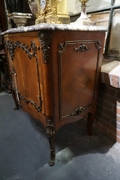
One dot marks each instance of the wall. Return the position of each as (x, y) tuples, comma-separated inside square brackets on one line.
[(107, 117)]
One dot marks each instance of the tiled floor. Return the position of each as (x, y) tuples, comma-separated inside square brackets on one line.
[(24, 150)]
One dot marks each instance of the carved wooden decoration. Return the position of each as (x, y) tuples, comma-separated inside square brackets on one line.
[(81, 48), (30, 50), (45, 39)]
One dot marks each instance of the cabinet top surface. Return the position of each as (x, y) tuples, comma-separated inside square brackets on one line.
[(45, 26)]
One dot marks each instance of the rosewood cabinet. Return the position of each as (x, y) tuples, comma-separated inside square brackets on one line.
[(55, 74)]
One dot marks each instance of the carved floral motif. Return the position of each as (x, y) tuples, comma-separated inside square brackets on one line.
[(81, 48), (30, 50), (38, 108), (45, 39), (76, 112)]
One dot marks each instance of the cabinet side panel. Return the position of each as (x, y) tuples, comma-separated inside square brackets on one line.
[(76, 63), (77, 76)]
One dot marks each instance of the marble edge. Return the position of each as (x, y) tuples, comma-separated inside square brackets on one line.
[(46, 26), (110, 73)]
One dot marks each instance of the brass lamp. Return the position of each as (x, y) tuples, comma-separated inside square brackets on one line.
[(83, 2), (83, 19)]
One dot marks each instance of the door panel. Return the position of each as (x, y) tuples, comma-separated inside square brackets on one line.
[(77, 75), (25, 60)]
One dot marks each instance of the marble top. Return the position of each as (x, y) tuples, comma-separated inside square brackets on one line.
[(110, 72), (46, 26)]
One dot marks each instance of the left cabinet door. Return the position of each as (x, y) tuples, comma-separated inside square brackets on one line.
[(25, 66)]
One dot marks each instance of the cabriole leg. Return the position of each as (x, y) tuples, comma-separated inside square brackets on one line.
[(90, 123), (15, 100), (50, 131)]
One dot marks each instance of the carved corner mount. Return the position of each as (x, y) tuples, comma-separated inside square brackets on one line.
[(61, 46), (98, 45), (45, 40)]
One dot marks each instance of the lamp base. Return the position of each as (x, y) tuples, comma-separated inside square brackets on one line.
[(83, 20)]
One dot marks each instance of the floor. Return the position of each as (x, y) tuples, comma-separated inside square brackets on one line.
[(24, 150)]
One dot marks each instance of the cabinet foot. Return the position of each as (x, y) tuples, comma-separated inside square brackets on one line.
[(90, 123), (51, 136), (52, 162), (15, 100)]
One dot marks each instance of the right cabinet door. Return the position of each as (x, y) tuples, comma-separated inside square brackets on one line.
[(78, 74)]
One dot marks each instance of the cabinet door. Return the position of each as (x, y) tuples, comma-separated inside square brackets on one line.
[(78, 67), (24, 59)]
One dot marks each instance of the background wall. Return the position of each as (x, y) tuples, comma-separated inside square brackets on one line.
[(107, 117)]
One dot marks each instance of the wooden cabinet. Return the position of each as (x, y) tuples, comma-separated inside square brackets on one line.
[(55, 75)]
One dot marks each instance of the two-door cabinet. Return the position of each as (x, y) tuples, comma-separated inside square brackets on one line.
[(55, 73)]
